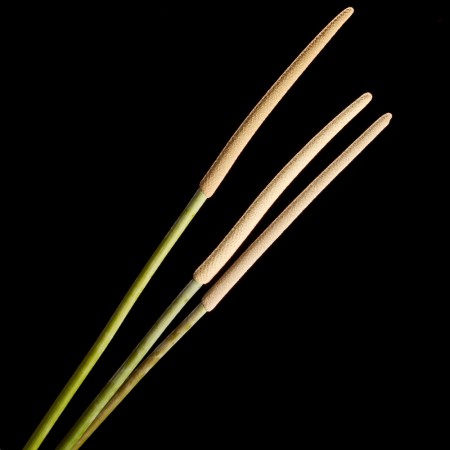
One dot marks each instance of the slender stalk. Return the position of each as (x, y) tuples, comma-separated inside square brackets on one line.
[(129, 365), (116, 320), (208, 186), (142, 370)]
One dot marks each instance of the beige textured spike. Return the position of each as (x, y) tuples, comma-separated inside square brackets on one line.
[(279, 225), (225, 250), (244, 133)]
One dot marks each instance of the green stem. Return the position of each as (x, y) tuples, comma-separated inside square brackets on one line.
[(116, 320), (142, 370), (128, 366)]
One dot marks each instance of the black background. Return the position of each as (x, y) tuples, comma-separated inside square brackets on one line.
[(114, 116)]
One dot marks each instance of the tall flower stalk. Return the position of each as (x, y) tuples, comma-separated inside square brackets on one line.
[(207, 188)]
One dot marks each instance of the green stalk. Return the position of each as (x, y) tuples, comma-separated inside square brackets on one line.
[(128, 366), (149, 362), (116, 320)]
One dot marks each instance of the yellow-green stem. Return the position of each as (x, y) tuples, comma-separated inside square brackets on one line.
[(128, 366), (142, 370), (114, 323)]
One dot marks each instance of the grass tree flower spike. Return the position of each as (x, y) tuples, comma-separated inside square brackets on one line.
[(208, 186)]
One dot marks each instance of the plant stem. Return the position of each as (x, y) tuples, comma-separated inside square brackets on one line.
[(128, 366), (149, 362), (114, 323)]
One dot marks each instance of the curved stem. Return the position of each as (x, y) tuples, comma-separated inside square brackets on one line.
[(129, 365), (197, 313), (114, 323)]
